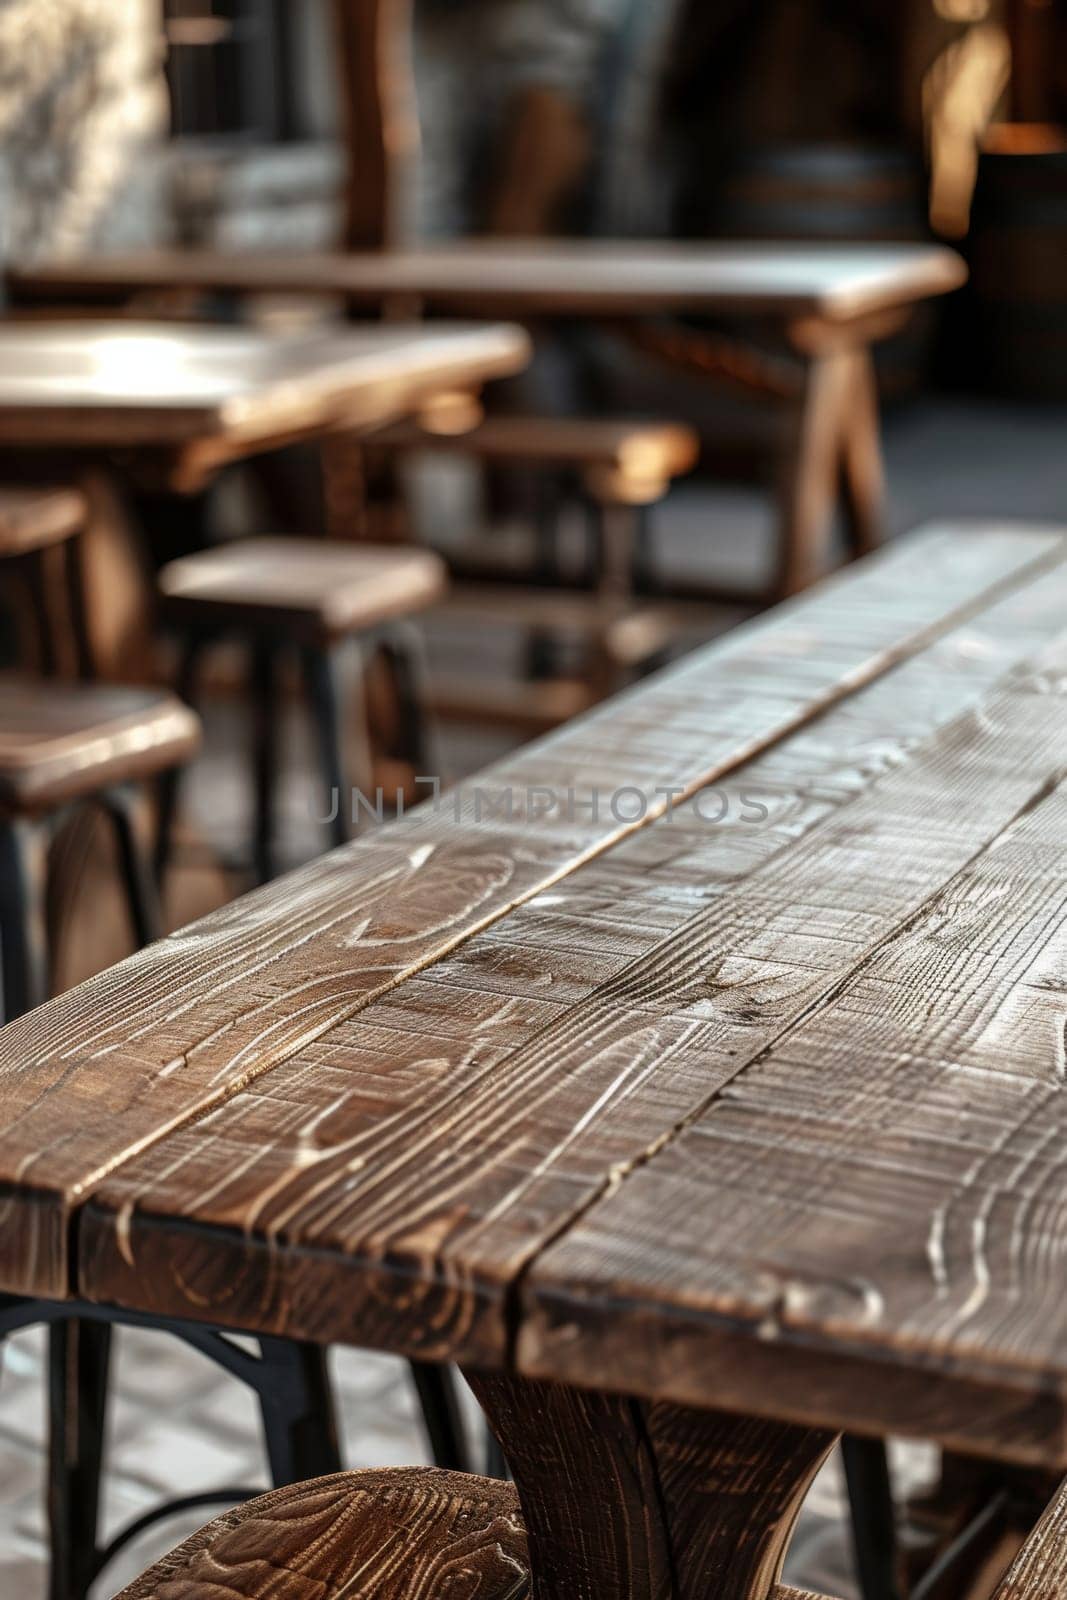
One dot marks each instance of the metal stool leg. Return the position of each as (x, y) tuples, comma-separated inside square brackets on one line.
[(128, 811), (78, 1354), (870, 1498), (442, 1418), (296, 1403), (186, 686), (403, 653), (266, 710), (23, 935), (320, 674)]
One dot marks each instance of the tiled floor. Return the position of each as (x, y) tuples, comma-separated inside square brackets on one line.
[(178, 1426)]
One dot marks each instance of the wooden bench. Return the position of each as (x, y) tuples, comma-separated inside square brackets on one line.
[(409, 1533), (619, 469), (620, 462)]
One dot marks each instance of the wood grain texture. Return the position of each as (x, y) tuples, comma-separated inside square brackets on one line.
[(1039, 1572), (885, 1176), (106, 1071), (405, 1534), (621, 1498), (429, 1148), (838, 283)]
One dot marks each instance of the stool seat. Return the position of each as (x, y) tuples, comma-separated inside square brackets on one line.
[(633, 461), (397, 1534), (32, 518), (309, 590), (67, 741)]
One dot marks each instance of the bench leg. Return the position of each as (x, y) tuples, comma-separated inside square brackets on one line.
[(23, 931), (78, 1357), (624, 1498)]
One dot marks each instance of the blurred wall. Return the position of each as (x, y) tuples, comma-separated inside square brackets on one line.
[(82, 112)]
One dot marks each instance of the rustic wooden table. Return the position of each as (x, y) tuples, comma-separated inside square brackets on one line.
[(194, 398), (828, 304), (161, 408), (696, 1131)]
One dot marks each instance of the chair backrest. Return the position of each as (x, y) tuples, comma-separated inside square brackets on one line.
[(379, 118)]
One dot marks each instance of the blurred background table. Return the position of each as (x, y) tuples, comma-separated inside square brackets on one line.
[(824, 305)]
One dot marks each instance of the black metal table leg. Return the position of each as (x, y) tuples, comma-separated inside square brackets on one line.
[(441, 1416), (299, 1425), (78, 1355), (870, 1497)]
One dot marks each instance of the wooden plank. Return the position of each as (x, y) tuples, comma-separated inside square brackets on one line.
[(1039, 1572), (392, 1183), (886, 1176), (838, 283), (105, 1071)]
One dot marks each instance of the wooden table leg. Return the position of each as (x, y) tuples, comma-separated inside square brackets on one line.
[(813, 471), (862, 468), (834, 456), (625, 1500)]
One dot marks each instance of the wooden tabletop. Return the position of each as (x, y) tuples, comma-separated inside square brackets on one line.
[(115, 385), (755, 1104), (837, 283)]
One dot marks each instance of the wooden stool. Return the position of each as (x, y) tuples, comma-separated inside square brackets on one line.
[(619, 470), (279, 595), (63, 745), (405, 1534)]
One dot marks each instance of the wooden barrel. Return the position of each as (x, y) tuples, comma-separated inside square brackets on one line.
[(826, 192), (1018, 251), (835, 193)]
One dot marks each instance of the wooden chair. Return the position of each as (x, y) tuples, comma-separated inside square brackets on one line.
[(305, 597)]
